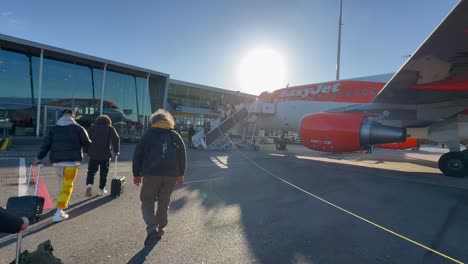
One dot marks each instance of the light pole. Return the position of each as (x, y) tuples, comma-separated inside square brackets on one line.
[(339, 43)]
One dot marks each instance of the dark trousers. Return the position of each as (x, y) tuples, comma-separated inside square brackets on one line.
[(93, 166), (190, 142), (156, 188)]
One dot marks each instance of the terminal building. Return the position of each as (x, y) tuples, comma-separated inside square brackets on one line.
[(38, 81), (197, 104)]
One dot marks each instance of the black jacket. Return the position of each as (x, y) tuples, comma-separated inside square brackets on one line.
[(9, 223), (160, 152), (103, 137), (64, 141)]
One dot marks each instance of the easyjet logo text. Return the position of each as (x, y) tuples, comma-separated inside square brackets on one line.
[(304, 92)]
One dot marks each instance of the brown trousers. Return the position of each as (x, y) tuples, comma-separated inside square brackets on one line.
[(156, 188)]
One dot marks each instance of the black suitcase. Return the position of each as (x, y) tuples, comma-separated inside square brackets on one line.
[(29, 206), (26, 206), (117, 184)]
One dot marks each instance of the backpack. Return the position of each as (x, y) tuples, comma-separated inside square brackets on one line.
[(162, 152), (43, 255)]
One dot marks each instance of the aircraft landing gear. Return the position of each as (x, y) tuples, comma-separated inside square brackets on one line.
[(281, 144), (454, 163)]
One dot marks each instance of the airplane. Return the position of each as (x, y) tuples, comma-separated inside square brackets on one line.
[(426, 99)]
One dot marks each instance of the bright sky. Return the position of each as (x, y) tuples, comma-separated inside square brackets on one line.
[(276, 42)]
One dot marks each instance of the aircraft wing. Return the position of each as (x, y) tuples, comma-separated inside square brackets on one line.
[(438, 70)]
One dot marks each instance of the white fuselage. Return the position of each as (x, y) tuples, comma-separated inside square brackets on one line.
[(288, 114)]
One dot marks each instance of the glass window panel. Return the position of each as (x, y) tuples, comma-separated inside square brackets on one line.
[(17, 111), (68, 86), (113, 99), (120, 102), (141, 89)]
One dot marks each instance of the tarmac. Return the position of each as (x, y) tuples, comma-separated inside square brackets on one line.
[(266, 206)]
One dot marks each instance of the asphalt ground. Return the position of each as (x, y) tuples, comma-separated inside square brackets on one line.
[(264, 207)]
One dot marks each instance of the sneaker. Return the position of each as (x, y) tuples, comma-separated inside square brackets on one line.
[(152, 238), (103, 192), (160, 233), (60, 217), (89, 188)]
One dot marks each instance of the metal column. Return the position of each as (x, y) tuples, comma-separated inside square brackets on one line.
[(39, 93), (44, 126), (102, 88), (136, 97), (145, 96), (166, 89)]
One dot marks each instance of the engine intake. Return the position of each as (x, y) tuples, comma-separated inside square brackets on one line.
[(372, 133), (346, 132)]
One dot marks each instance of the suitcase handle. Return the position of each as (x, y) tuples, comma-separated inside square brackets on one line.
[(20, 235), (115, 166), (18, 247), (36, 188)]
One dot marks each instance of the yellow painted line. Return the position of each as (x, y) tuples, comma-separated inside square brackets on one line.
[(9, 142), (5, 144), (351, 213)]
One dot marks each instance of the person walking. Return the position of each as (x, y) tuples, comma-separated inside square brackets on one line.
[(104, 138), (65, 142), (191, 133), (160, 159)]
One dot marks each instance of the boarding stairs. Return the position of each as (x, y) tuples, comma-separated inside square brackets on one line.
[(217, 137)]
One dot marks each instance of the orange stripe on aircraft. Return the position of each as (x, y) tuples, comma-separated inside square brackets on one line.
[(336, 91)]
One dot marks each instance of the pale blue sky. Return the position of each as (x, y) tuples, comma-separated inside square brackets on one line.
[(204, 41)]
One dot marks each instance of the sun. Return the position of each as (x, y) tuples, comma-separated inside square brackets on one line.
[(262, 69)]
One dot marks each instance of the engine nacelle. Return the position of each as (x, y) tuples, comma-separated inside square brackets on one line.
[(410, 143), (346, 132)]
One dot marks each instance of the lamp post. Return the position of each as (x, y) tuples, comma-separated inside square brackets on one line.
[(340, 24)]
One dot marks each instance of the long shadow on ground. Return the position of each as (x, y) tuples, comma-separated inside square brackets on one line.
[(285, 225)]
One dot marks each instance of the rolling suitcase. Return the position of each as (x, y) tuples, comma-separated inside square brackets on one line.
[(26, 206), (117, 184)]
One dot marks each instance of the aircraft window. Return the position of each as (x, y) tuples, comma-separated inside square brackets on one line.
[(319, 96), (364, 92), (333, 95), (348, 93), (313, 97), (356, 93), (374, 91), (340, 94), (326, 96)]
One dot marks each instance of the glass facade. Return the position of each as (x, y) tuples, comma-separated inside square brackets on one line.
[(17, 94), (67, 85), (75, 83)]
